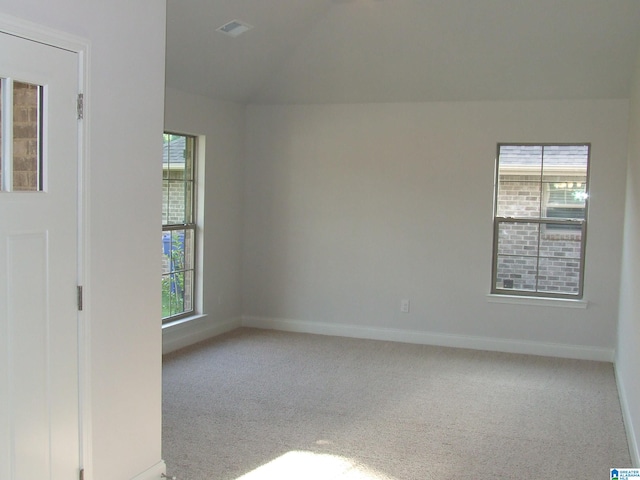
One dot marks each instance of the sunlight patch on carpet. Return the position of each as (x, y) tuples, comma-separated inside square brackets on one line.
[(295, 465)]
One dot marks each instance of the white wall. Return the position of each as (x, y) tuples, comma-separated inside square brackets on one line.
[(125, 117), (222, 125), (350, 208), (628, 358)]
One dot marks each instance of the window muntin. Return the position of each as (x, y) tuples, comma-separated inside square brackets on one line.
[(540, 215), (178, 226)]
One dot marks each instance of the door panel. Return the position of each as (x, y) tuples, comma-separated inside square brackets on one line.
[(39, 393)]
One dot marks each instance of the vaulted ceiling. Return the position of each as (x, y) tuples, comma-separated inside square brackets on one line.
[(350, 51)]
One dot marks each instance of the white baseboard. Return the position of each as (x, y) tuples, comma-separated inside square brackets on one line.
[(428, 338), (185, 333), (632, 437), (153, 473)]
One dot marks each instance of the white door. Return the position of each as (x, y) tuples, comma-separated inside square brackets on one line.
[(39, 392)]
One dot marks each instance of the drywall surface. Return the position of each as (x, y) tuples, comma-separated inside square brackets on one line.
[(351, 208), (628, 354)]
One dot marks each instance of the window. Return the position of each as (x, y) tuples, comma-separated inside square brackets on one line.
[(178, 226), (540, 220), (21, 158)]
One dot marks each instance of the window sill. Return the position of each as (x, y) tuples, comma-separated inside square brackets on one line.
[(536, 301), (182, 321)]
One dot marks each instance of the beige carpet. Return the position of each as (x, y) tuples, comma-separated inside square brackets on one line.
[(258, 405)]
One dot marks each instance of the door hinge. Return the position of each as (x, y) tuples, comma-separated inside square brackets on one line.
[(82, 474), (80, 106), (79, 298)]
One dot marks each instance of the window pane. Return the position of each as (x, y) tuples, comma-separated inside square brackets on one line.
[(565, 230), (174, 206), (566, 200), (517, 255), (520, 160), (177, 249), (566, 192), (27, 159), (188, 291), (552, 267), (165, 202), (189, 249), (559, 275), (565, 183), (188, 203), (177, 204), (519, 199), (167, 263), (559, 245), (165, 156), (174, 156), (166, 296), (516, 272), (565, 160), (518, 239), (177, 293), (560, 257), (172, 294), (189, 157), (519, 172)]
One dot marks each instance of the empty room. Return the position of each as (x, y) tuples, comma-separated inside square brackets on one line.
[(370, 169), (387, 240)]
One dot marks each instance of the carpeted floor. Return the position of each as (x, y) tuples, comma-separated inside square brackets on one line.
[(257, 405)]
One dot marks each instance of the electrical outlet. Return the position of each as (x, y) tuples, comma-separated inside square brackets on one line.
[(404, 305)]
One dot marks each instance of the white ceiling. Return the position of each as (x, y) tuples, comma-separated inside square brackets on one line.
[(349, 51)]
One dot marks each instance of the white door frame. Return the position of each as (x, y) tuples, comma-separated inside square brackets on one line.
[(43, 34)]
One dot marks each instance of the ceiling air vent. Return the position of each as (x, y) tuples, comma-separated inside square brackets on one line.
[(234, 28)]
